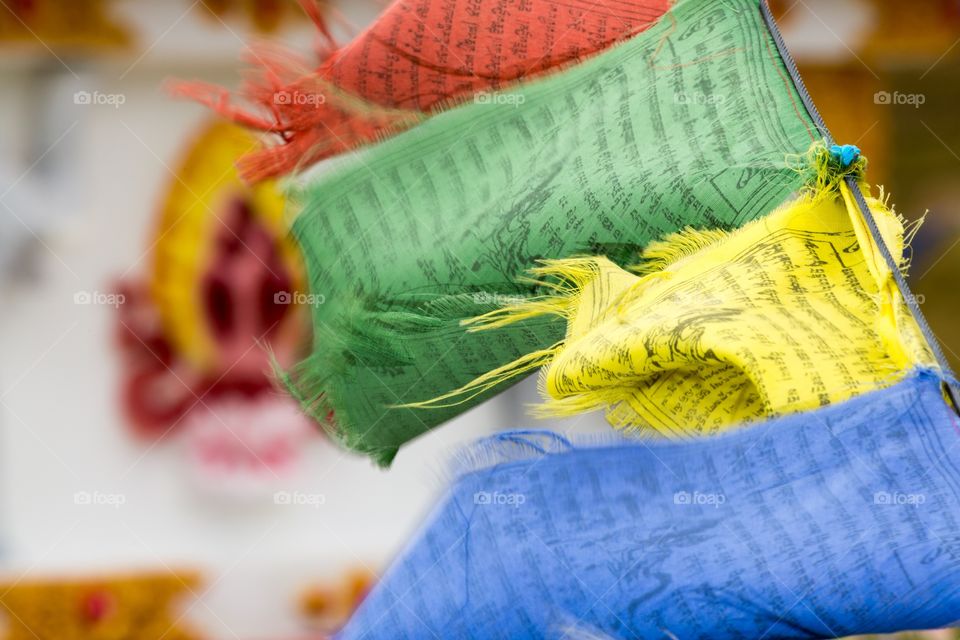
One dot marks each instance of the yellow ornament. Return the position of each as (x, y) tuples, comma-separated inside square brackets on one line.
[(196, 215), (108, 608)]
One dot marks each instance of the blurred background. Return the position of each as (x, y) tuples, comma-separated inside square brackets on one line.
[(127, 486)]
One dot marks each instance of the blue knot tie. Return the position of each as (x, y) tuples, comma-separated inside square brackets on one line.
[(845, 154)]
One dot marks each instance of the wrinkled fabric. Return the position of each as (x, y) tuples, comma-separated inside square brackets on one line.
[(418, 56), (687, 124), (794, 311), (823, 524)]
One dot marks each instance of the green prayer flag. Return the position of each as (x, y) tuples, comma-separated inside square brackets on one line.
[(690, 123)]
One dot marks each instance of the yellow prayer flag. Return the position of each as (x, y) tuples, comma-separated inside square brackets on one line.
[(793, 311)]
